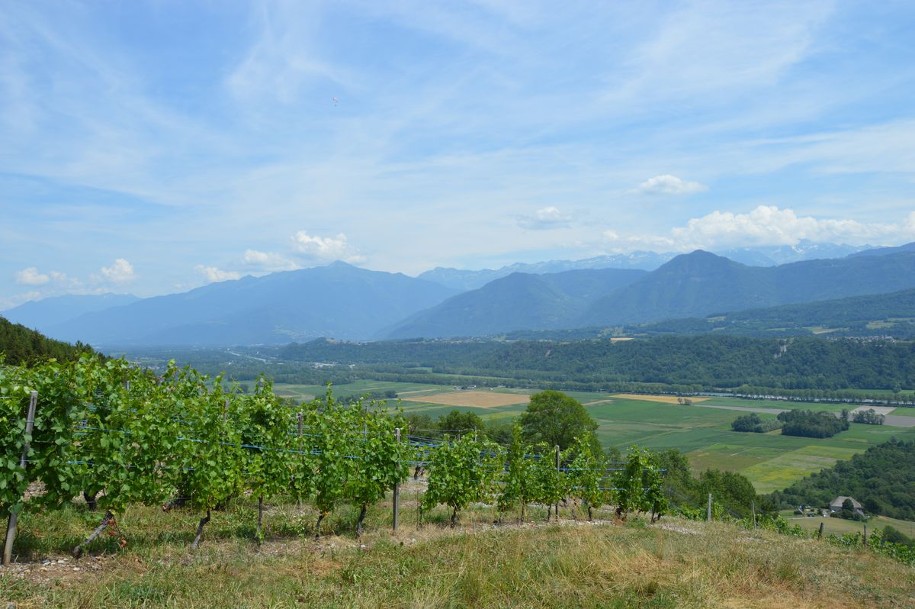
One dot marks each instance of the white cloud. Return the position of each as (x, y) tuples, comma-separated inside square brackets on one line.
[(214, 274), (31, 276), (322, 248), (18, 299), (769, 225), (269, 261), (119, 272), (670, 185), (544, 219), (764, 225)]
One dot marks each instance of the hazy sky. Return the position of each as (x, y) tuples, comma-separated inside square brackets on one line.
[(152, 147)]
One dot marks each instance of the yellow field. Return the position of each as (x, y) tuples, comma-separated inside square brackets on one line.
[(476, 399), (664, 399)]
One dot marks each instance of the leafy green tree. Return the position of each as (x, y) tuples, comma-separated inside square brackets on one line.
[(730, 490), (461, 471), (518, 485), (267, 442), (332, 427), (130, 438), (459, 423), (551, 484), (639, 486), (212, 458), (556, 419), (380, 461), (586, 473)]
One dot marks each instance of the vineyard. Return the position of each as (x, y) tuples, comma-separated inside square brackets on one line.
[(117, 435)]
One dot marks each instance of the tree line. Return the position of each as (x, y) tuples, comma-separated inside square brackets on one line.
[(693, 363)]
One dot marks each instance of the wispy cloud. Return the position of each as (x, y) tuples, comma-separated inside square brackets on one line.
[(119, 273), (324, 248), (765, 225), (545, 218), (269, 261), (31, 276), (214, 274), (669, 185)]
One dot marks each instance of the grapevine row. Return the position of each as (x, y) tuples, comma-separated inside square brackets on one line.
[(120, 435)]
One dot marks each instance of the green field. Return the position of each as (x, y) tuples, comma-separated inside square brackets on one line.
[(702, 431), (839, 526)]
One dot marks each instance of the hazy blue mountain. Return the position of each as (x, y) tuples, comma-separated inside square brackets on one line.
[(470, 280), (516, 302), (700, 283), (784, 254), (463, 279), (338, 300), (49, 312), (883, 251)]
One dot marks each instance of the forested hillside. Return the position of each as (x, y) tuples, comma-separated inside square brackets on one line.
[(879, 315), (821, 367), (20, 345), (882, 479)]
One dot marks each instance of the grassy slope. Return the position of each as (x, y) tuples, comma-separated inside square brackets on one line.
[(674, 563)]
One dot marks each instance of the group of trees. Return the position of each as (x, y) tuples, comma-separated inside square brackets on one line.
[(812, 424), (754, 423), (732, 493), (868, 417)]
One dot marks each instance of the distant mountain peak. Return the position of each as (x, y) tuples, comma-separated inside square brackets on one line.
[(698, 260)]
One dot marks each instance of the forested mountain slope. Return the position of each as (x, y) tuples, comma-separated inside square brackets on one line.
[(20, 345)]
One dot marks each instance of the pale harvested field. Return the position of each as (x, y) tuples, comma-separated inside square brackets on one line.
[(664, 399), (475, 399)]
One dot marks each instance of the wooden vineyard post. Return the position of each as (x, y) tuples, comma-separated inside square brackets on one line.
[(820, 532), (708, 512), (396, 484), (299, 423), (23, 460), (558, 472)]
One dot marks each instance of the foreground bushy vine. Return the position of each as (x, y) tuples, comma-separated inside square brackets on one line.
[(119, 435)]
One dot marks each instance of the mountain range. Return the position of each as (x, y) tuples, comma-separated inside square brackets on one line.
[(349, 303), (646, 261), (337, 300)]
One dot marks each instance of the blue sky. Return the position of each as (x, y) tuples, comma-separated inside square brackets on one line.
[(153, 147)]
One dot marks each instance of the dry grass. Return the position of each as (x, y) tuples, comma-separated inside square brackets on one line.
[(475, 399), (675, 563)]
